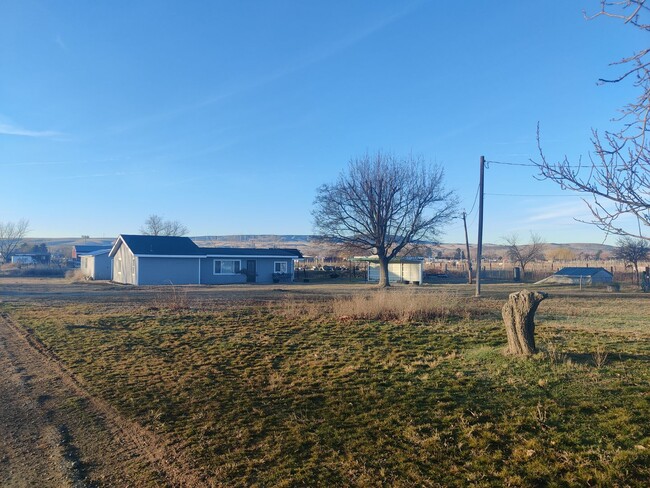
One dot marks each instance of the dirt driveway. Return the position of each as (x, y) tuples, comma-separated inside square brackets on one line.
[(54, 432)]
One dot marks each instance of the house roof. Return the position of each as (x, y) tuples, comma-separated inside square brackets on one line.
[(88, 249), (98, 252), (580, 271), (247, 251), (184, 246), (159, 245)]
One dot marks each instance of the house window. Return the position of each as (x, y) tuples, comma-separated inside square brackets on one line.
[(280, 267), (119, 265), (226, 266)]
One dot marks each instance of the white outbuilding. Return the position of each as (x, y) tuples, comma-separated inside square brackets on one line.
[(400, 270), (96, 265)]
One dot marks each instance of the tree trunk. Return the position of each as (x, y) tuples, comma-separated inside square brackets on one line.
[(518, 315), (383, 272)]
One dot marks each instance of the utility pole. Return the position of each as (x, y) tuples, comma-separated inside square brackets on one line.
[(469, 257), (479, 248)]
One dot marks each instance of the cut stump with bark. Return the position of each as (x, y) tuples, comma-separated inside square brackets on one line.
[(518, 316)]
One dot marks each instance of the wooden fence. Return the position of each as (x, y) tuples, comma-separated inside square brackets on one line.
[(535, 271)]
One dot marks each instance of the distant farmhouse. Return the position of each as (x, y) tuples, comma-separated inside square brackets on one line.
[(579, 275), (162, 260), (31, 258)]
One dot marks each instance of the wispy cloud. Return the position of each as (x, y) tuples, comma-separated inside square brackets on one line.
[(317, 55), (60, 43), (114, 174), (34, 163), (14, 130), (575, 209)]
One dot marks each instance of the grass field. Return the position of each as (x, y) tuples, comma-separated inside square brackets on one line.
[(400, 388)]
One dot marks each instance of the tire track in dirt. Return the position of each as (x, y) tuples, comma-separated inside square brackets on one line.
[(38, 385)]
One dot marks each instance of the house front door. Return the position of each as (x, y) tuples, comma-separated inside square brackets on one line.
[(251, 271)]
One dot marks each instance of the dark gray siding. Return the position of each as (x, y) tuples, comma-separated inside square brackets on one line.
[(168, 270)]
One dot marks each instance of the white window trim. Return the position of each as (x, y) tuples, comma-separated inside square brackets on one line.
[(221, 260), (285, 265)]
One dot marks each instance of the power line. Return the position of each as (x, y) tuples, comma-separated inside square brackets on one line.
[(533, 165), (512, 164), (475, 198), (531, 195)]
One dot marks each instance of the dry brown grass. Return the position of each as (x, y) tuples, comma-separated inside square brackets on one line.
[(74, 275), (172, 298), (399, 305), (293, 308)]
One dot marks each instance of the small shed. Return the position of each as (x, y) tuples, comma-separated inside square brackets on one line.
[(96, 265), (579, 275), (400, 270)]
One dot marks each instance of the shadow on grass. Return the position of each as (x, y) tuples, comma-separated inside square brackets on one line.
[(612, 357), (88, 327)]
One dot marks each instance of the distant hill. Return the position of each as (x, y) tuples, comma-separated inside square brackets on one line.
[(312, 247)]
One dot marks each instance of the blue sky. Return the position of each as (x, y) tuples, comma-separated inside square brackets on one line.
[(228, 115)]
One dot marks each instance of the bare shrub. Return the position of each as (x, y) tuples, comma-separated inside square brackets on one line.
[(403, 306), (600, 357), (555, 357), (540, 414), (41, 271), (172, 297), (75, 275)]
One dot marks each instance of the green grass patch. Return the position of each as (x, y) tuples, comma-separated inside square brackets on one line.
[(262, 398)]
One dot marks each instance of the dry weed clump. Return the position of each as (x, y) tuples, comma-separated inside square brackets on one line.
[(293, 308), (172, 298), (600, 357), (75, 275), (397, 305)]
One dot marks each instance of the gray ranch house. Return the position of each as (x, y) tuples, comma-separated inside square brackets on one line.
[(162, 260)]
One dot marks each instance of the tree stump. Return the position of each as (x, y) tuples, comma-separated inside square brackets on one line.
[(518, 315)]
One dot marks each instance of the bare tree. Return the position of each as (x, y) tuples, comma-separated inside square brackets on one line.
[(523, 254), (631, 251), (382, 203), (618, 174), (11, 237), (155, 225), (175, 228)]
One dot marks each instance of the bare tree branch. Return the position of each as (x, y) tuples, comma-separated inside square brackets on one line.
[(382, 204), (618, 175), (524, 254), (155, 225), (631, 251), (11, 237)]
